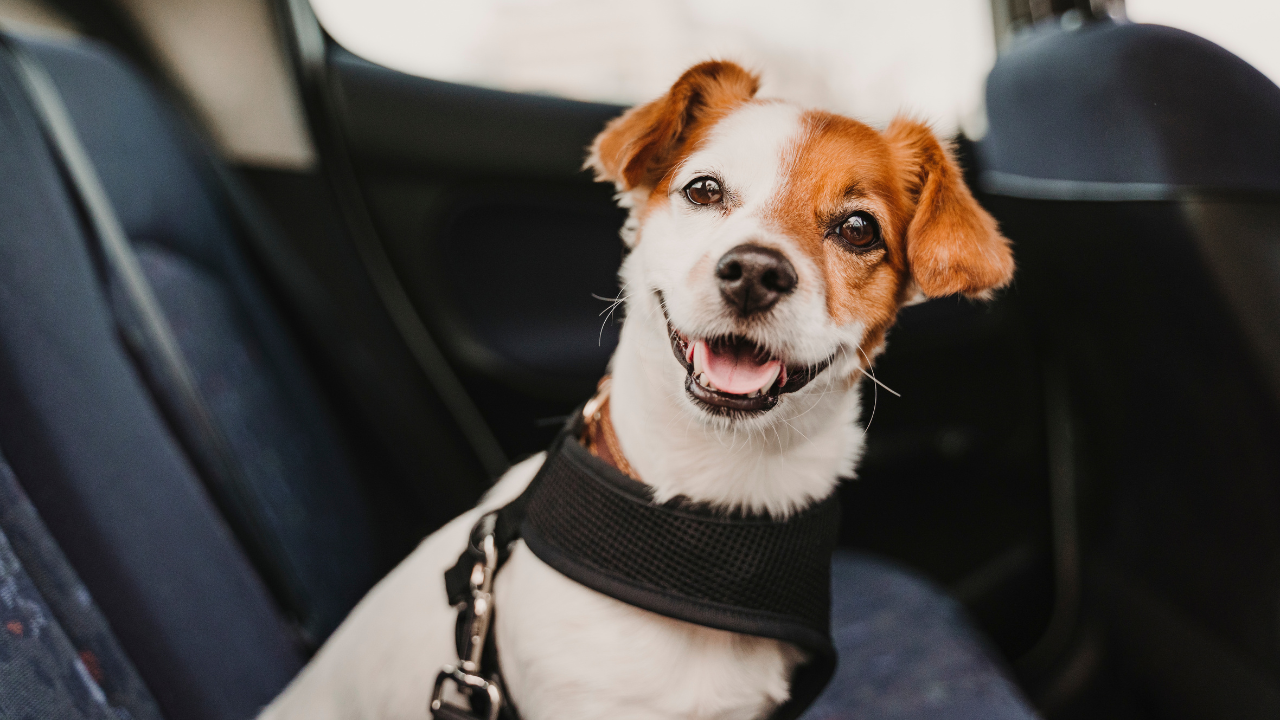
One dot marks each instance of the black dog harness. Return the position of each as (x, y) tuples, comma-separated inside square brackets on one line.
[(748, 574)]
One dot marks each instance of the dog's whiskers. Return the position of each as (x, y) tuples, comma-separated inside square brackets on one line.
[(613, 302), (778, 436), (608, 312), (816, 400), (796, 430), (872, 375), (875, 393), (609, 299)]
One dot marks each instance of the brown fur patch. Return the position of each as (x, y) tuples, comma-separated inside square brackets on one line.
[(839, 166), (638, 148), (934, 232), (954, 246)]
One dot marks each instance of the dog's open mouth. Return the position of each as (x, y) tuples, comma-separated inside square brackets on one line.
[(733, 373)]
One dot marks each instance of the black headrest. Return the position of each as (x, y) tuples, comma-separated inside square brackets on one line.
[(1124, 111)]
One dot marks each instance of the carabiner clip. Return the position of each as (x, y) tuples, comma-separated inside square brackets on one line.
[(468, 684)]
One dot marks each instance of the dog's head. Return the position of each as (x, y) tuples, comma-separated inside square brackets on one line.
[(781, 242)]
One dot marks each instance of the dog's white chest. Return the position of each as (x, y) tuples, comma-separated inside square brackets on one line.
[(570, 652), (567, 652)]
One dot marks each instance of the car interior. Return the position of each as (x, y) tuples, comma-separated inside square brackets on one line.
[(243, 375)]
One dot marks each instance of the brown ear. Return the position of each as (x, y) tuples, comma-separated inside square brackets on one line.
[(953, 245), (637, 148)]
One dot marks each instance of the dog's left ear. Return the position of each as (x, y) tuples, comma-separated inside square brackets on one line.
[(953, 245), (638, 148)]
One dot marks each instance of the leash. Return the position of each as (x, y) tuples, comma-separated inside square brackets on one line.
[(740, 572)]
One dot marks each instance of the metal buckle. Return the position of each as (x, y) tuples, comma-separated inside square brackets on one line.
[(481, 593), (466, 675), (467, 684)]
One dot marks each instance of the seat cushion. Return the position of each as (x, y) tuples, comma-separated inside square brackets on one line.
[(104, 470), (51, 595), (907, 652), (303, 516)]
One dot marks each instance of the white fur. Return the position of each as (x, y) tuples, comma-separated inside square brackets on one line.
[(790, 456), (571, 653)]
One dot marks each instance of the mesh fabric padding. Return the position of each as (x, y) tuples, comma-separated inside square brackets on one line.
[(753, 574)]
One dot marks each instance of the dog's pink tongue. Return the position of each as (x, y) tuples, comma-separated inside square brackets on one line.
[(737, 374)]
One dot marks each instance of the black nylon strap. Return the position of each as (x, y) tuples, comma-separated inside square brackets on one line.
[(748, 574), (752, 575), (506, 529)]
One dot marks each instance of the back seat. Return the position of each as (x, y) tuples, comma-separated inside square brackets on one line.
[(58, 656), (1137, 170), (216, 621)]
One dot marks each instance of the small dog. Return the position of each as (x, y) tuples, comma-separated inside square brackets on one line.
[(771, 248)]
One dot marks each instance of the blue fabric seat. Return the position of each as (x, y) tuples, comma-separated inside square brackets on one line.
[(58, 656), (907, 652), (86, 435), (316, 546)]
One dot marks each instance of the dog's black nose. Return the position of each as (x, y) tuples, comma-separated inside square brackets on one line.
[(753, 278)]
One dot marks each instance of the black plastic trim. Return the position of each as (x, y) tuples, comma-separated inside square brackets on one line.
[(402, 120)]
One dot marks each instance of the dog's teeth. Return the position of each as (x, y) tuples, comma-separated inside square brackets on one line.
[(699, 357), (754, 394), (769, 385), (703, 380)]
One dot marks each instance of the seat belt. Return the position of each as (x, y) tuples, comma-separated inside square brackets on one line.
[(148, 333)]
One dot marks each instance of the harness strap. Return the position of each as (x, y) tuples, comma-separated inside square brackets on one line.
[(750, 574)]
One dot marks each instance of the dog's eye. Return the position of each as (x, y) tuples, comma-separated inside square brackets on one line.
[(704, 191), (860, 231)]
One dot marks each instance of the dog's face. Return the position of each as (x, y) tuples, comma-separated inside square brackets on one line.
[(780, 242)]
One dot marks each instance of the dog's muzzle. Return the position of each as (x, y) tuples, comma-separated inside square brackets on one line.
[(735, 375)]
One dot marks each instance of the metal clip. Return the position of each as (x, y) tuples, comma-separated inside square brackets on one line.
[(466, 675), (467, 684), (481, 593), (591, 410)]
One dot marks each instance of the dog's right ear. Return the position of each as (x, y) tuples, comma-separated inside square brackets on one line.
[(638, 148)]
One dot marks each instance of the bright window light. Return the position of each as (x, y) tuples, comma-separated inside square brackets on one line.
[(869, 58), (1247, 28)]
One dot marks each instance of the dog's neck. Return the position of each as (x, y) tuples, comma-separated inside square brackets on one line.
[(598, 433), (793, 457)]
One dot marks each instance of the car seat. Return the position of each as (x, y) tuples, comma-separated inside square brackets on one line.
[(1137, 170), (216, 619)]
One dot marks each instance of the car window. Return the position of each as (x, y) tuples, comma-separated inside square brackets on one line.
[(1245, 27), (869, 58)]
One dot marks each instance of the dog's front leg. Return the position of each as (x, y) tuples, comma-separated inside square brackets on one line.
[(570, 653), (381, 663)]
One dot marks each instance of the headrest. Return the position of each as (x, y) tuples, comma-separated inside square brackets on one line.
[(1127, 112)]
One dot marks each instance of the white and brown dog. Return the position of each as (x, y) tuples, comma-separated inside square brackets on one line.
[(771, 248)]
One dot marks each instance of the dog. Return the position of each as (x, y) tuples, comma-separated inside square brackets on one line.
[(770, 248)]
